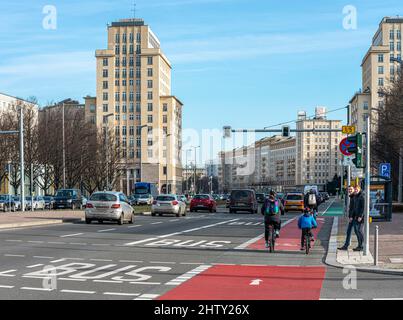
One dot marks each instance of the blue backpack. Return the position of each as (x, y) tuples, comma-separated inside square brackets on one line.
[(273, 208)]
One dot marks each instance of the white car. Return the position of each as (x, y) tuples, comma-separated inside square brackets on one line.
[(109, 206), (168, 203), (146, 199)]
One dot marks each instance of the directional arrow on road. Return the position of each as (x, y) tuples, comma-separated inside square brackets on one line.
[(255, 282)]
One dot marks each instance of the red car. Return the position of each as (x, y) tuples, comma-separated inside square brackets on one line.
[(203, 202)]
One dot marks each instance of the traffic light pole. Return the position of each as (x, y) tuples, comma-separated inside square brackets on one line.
[(367, 187)]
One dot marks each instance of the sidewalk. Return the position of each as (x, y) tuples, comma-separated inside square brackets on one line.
[(38, 218), (390, 244)]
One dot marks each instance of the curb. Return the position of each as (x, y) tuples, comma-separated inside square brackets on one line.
[(330, 259), (30, 224)]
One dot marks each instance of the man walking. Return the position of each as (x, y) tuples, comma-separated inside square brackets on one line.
[(356, 218)]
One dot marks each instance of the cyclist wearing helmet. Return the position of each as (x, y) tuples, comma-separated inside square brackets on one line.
[(271, 212)]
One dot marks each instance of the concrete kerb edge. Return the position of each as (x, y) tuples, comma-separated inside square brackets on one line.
[(330, 259), (30, 224)]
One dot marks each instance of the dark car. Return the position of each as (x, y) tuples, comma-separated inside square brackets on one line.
[(49, 202), (243, 200), (7, 203), (68, 199), (260, 197)]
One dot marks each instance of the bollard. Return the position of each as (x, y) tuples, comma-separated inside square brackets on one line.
[(376, 247)]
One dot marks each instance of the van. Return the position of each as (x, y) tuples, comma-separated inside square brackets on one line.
[(243, 200)]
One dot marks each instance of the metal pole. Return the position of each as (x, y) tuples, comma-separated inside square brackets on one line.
[(400, 191), (64, 150), (107, 158), (367, 187), (32, 187), (376, 246), (348, 184), (22, 173), (194, 180), (342, 181)]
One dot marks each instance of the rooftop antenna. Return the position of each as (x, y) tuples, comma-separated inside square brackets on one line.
[(134, 9)]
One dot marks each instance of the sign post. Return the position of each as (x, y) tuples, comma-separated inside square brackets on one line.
[(385, 170)]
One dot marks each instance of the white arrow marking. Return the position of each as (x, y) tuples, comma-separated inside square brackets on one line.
[(255, 282)]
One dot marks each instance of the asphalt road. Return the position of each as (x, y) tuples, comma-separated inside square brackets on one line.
[(202, 255)]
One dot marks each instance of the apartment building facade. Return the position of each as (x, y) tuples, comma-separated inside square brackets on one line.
[(379, 70), (134, 99), (317, 153)]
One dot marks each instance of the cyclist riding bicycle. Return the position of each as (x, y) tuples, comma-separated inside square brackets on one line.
[(305, 223), (271, 212), (311, 201)]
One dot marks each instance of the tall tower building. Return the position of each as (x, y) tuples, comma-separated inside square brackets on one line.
[(134, 90)]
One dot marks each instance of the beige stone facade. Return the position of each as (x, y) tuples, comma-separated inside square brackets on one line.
[(134, 84)]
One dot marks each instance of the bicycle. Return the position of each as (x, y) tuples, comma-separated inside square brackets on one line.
[(272, 238)]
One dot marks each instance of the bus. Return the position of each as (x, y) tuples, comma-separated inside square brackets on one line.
[(146, 188)]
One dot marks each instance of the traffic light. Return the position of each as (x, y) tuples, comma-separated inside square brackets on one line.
[(286, 131), (356, 148)]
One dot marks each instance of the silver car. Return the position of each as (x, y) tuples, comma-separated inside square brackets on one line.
[(168, 203), (109, 206), (144, 199)]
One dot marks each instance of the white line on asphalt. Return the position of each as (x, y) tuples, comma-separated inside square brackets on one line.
[(78, 259), (35, 241), (6, 287), (191, 263), (56, 242), (58, 260), (71, 279), (101, 260), (140, 241), (13, 240), (249, 242), (162, 262), (14, 255), (71, 235), (174, 220), (330, 204), (36, 289), (5, 273), (188, 275), (108, 281), (388, 299), (43, 257), (121, 294), (149, 283), (106, 230), (78, 243), (135, 226), (147, 297), (77, 291), (100, 244), (35, 265), (131, 261)]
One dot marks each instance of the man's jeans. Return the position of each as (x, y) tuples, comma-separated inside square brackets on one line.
[(358, 232)]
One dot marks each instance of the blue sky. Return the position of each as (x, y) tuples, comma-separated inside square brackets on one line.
[(246, 63)]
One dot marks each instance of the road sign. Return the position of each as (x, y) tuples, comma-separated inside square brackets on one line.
[(348, 129), (344, 146), (385, 170)]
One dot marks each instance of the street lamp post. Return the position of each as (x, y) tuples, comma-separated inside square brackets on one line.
[(194, 177), (141, 154), (186, 171), (64, 149)]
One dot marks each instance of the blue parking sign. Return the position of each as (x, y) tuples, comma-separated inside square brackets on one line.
[(385, 170)]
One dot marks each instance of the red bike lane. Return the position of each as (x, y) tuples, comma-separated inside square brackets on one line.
[(225, 282), (290, 237)]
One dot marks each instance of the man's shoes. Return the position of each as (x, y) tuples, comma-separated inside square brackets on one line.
[(277, 234), (302, 248), (343, 248), (267, 244), (358, 249)]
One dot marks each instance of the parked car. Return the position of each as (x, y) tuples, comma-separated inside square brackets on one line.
[(30, 203), (7, 203), (168, 203), (144, 199), (203, 202), (49, 202), (243, 200), (40, 203), (18, 203), (132, 200), (260, 197), (68, 199), (109, 206), (294, 201)]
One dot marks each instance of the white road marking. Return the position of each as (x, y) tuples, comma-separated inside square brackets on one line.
[(156, 223), (174, 220), (6, 287), (43, 257), (71, 235), (77, 291), (13, 240), (330, 204), (36, 289), (106, 230), (191, 263), (140, 241), (71, 279), (14, 255), (147, 297), (162, 262), (388, 299), (135, 226), (108, 281), (101, 260), (121, 294), (56, 242), (188, 275), (58, 260), (149, 283), (5, 273), (35, 265), (100, 244), (131, 261), (78, 243)]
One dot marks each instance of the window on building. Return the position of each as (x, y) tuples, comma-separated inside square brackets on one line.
[(380, 58), (138, 61), (149, 95), (149, 61), (138, 142), (105, 73), (150, 72), (365, 108), (165, 107), (131, 130), (117, 49), (380, 82), (124, 131), (380, 70), (105, 85), (150, 118), (399, 46), (105, 96), (149, 84), (150, 107), (392, 46), (105, 62), (138, 154), (105, 107), (165, 118)]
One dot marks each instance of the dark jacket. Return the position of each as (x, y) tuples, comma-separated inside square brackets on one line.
[(358, 206), (351, 208)]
